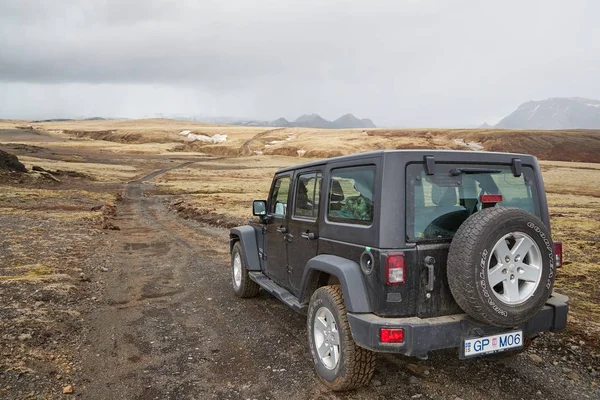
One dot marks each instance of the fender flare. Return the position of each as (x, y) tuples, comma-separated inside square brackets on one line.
[(246, 235), (348, 273)]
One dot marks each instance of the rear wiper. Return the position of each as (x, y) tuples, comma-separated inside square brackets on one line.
[(471, 170)]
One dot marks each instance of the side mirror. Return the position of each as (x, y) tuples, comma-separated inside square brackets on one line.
[(259, 208)]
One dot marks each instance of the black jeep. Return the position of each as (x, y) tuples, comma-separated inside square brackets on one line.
[(406, 252)]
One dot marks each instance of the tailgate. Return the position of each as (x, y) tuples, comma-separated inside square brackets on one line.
[(434, 297)]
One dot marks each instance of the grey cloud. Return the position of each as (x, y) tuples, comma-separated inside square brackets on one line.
[(426, 63)]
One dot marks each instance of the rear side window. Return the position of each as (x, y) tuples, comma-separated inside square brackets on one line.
[(438, 204), (350, 195), (306, 203)]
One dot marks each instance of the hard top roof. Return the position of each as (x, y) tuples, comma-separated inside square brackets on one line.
[(412, 152)]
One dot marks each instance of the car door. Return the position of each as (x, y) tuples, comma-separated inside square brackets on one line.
[(276, 229), (303, 225)]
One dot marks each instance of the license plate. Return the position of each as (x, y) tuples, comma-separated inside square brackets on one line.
[(492, 344)]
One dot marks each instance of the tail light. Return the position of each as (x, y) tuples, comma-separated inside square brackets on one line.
[(491, 198), (395, 269), (558, 257), (391, 335)]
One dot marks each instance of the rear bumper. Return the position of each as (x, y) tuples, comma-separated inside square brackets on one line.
[(422, 335)]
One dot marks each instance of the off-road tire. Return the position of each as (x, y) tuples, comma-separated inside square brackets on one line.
[(247, 287), (467, 265), (356, 365)]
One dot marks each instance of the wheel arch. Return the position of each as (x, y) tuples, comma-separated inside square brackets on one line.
[(327, 269), (246, 236)]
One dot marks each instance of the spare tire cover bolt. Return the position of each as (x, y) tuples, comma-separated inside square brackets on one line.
[(507, 259)]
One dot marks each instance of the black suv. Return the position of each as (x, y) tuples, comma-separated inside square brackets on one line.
[(405, 251)]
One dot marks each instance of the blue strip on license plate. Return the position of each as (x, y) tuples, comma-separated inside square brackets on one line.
[(493, 343)]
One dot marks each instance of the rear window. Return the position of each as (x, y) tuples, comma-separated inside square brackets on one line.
[(438, 204)]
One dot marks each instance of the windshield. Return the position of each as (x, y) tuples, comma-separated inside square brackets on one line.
[(438, 204)]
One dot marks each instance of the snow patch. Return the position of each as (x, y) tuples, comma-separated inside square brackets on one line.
[(534, 111), (472, 145), (557, 111), (217, 138), (185, 133), (301, 153)]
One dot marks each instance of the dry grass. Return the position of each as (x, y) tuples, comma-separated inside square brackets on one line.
[(22, 195), (59, 215), (225, 186), (100, 172), (28, 272), (567, 145)]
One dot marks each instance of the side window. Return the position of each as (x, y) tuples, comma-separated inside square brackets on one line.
[(306, 203), (279, 198), (350, 196)]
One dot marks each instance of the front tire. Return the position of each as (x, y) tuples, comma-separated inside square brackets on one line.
[(339, 362), (243, 286)]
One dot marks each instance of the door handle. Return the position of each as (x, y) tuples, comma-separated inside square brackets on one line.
[(282, 229), (429, 264), (309, 235)]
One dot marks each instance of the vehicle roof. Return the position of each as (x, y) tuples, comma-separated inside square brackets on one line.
[(412, 152)]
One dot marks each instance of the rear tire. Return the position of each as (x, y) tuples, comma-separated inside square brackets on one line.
[(339, 362), (243, 286)]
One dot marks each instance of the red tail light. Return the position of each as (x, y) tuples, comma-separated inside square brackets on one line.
[(391, 335), (558, 258), (491, 198), (395, 269)]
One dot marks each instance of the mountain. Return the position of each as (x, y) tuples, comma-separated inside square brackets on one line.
[(485, 125), (347, 121), (554, 113), (312, 121), (282, 122), (350, 121)]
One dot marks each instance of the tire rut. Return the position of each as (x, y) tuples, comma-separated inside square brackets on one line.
[(246, 151)]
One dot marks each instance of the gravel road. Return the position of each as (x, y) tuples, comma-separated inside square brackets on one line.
[(169, 327)]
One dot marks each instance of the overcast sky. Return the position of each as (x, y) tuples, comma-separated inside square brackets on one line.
[(398, 62)]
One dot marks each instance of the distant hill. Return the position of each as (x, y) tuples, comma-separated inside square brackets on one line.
[(350, 121), (555, 113), (312, 121), (347, 121), (485, 125), (281, 122)]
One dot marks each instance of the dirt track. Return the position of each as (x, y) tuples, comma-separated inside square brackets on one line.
[(170, 328)]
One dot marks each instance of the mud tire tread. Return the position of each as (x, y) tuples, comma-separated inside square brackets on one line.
[(359, 363), (248, 288)]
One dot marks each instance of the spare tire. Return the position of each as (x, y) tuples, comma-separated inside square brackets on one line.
[(501, 266)]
